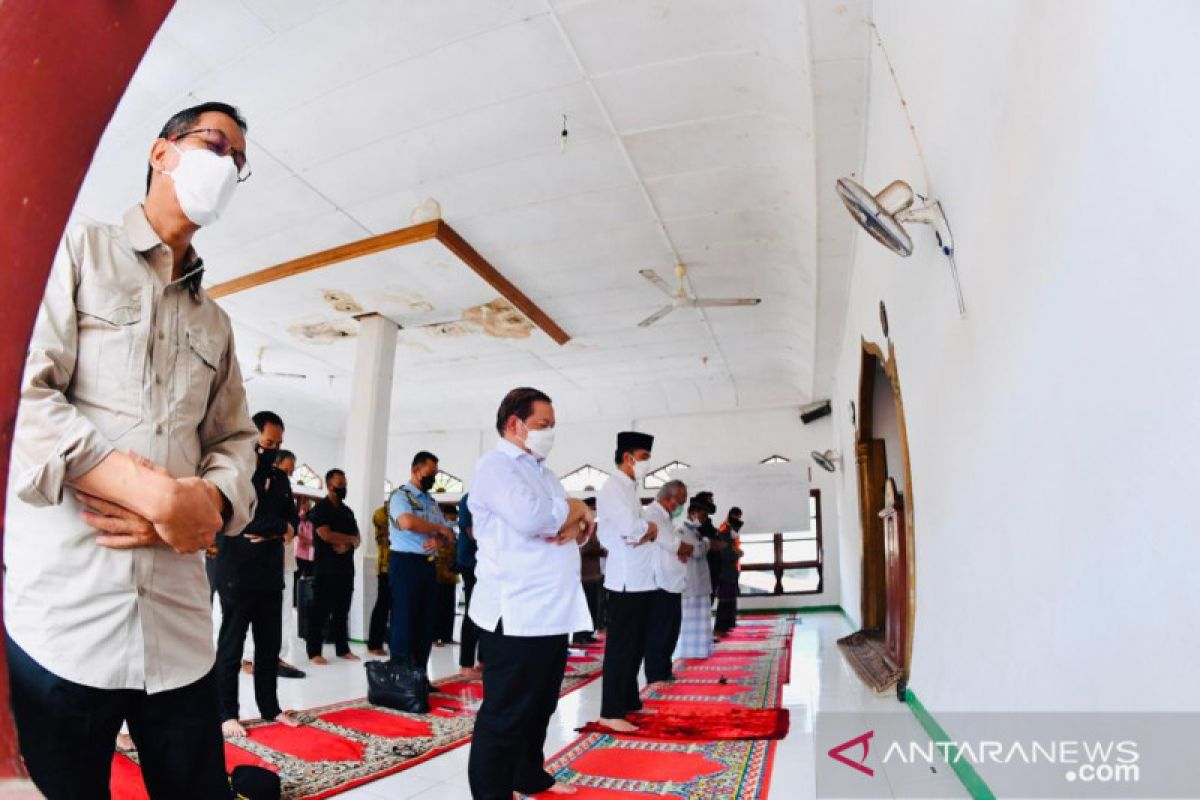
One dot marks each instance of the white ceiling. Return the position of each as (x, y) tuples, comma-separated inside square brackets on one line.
[(704, 130)]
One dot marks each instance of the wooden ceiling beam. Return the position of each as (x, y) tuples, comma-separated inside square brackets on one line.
[(436, 229), (483, 268)]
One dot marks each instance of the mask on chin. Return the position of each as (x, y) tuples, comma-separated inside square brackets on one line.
[(204, 184)]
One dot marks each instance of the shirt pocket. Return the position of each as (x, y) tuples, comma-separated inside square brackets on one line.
[(110, 356), (198, 362)]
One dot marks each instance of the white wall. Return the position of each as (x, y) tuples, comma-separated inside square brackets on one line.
[(1051, 432), (319, 451), (744, 437)]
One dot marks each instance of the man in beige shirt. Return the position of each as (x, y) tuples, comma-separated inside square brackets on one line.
[(133, 450)]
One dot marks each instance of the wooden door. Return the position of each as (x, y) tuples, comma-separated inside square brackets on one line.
[(895, 550), (871, 459)]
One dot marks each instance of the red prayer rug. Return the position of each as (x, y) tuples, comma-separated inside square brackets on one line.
[(350, 743), (712, 738), (699, 723)]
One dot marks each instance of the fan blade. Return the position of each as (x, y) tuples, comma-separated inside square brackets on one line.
[(284, 375), (654, 278), (727, 301), (656, 316), (247, 380)]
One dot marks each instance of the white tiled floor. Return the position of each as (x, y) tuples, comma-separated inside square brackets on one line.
[(820, 680)]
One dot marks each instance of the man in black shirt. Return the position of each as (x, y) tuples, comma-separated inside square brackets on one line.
[(249, 581), (335, 536)]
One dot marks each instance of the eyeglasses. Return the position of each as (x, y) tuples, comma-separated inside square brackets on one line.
[(216, 141)]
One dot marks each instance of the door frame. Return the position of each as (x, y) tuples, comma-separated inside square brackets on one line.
[(872, 560)]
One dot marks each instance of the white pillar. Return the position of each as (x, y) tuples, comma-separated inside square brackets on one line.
[(365, 460)]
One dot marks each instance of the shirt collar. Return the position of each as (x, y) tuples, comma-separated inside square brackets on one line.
[(417, 489), (139, 231), (143, 238), (512, 451), (620, 475)]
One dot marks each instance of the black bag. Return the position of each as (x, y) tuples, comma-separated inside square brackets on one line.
[(255, 783), (398, 685)]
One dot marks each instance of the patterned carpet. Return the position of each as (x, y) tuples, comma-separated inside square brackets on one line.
[(747, 670), (351, 743)]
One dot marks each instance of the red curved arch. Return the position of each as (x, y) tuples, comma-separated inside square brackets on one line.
[(63, 68)]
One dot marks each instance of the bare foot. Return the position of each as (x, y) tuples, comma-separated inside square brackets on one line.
[(247, 667), (318, 660), (232, 729), (562, 788), (124, 741), (377, 651), (657, 686), (618, 725), (350, 657), (286, 718), (470, 674)]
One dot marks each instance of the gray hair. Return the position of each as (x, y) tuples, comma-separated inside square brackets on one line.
[(670, 488)]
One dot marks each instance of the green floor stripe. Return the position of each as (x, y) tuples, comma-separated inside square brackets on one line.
[(966, 773)]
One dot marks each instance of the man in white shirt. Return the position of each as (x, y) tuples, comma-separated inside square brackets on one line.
[(671, 555), (527, 598), (628, 577)]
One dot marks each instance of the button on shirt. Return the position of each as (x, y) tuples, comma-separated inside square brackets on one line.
[(121, 359), (670, 574), (630, 566), (530, 582), (409, 499)]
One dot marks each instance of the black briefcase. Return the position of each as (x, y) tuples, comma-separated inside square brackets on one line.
[(398, 685)]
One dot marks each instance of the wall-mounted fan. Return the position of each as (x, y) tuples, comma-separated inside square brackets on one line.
[(828, 460), (259, 372), (681, 299), (883, 216)]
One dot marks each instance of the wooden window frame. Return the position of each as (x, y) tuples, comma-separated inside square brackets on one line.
[(779, 566)]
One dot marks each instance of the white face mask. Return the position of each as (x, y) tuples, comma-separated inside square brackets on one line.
[(204, 184), (640, 470), (539, 442)]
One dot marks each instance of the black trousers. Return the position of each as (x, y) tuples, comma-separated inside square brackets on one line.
[(66, 733), (727, 592), (628, 615), (444, 612), (210, 571), (662, 633), (522, 677), (377, 633), (331, 601), (470, 631), (261, 613), (591, 593), (414, 585)]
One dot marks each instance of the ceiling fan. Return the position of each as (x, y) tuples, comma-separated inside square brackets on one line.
[(681, 298), (259, 372)]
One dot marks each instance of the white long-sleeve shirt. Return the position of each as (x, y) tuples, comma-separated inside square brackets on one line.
[(619, 521), (699, 582), (524, 579), (670, 574)]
